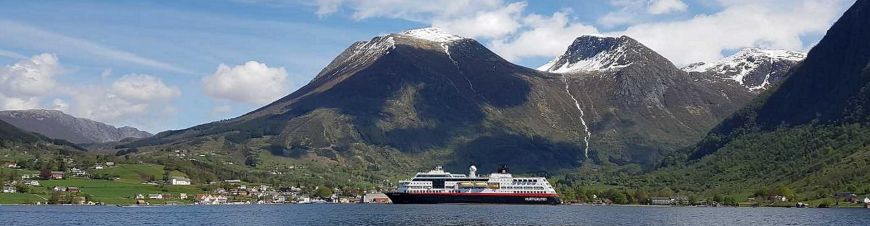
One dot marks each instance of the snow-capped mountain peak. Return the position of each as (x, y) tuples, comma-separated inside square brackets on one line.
[(598, 53), (432, 34), (746, 55), (753, 68)]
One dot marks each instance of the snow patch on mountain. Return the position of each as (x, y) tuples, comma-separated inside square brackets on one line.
[(591, 53), (432, 34), (604, 61)]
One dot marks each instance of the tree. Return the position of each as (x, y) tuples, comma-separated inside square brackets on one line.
[(323, 192), (45, 173), (718, 198)]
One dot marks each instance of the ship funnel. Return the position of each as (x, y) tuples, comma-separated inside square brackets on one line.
[(472, 171)]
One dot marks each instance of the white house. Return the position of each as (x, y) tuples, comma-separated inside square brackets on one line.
[(155, 196), (180, 181), (110, 163), (182, 196), (31, 182), (8, 189), (213, 200)]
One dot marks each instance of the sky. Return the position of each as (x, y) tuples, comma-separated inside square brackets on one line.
[(165, 65)]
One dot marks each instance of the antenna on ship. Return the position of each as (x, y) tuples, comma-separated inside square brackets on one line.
[(472, 171), (503, 169)]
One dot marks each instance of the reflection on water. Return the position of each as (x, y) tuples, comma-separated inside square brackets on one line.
[(363, 214)]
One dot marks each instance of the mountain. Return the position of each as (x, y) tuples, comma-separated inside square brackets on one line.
[(810, 132), (17, 139), (600, 53), (756, 69), (637, 104), (406, 101), (58, 125)]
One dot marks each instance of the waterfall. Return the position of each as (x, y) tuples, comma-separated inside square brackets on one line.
[(582, 121)]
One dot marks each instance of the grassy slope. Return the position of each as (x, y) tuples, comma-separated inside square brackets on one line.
[(814, 160)]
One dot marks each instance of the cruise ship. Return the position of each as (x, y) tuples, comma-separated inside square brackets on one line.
[(438, 186)]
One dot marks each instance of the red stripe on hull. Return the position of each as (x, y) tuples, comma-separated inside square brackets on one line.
[(485, 194)]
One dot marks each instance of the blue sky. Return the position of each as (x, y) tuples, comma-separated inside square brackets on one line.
[(160, 65)]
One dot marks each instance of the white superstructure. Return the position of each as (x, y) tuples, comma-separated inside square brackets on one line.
[(440, 181)]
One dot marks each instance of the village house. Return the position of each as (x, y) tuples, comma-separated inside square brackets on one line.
[(57, 175), (779, 198), (98, 166), (155, 196), (73, 189), (180, 181), (110, 163), (212, 200), (59, 188), (182, 196), (31, 182), (78, 172), (13, 165), (8, 189), (140, 196)]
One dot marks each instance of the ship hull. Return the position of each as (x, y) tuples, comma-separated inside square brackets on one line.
[(483, 198)]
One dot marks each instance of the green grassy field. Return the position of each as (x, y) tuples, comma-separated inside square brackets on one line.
[(21, 198), (132, 178), (119, 191)]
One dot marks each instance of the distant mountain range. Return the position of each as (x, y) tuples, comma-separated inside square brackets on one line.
[(17, 139), (756, 69), (432, 97), (58, 125)]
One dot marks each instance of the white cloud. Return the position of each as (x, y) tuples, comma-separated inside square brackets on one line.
[(414, 10), (10, 54), (22, 83), (14, 33), (545, 37), (740, 24), (59, 104), (636, 11), (657, 7), (326, 7), (516, 34), (486, 24), (134, 99), (18, 103), (106, 73), (252, 82), (143, 88)]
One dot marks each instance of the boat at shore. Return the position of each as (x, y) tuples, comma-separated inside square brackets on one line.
[(439, 186)]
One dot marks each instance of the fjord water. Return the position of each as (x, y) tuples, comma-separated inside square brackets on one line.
[(363, 214)]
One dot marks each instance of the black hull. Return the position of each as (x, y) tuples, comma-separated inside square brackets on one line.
[(409, 198)]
